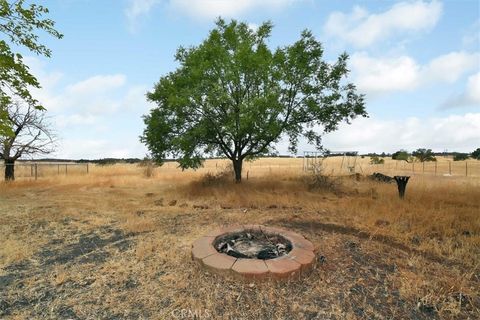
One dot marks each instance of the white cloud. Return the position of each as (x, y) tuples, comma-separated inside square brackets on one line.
[(471, 96), (226, 8), (202, 9), (471, 38), (453, 132), (99, 116), (97, 84), (375, 75), (84, 148), (362, 29), (253, 26), (63, 121), (135, 98), (96, 95), (136, 9), (450, 67)]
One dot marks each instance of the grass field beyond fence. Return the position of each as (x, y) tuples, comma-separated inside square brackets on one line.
[(334, 166)]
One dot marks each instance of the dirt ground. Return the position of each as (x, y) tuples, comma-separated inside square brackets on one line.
[(118, 247)]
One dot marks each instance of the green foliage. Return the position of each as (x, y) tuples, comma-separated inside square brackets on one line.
[(401, 155), (460, 156), (19, 23), (376, 160), (424, 155), (476, 154), (5, 125), (233, 96)]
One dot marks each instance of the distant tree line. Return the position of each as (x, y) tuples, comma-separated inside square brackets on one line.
[(419, 155), (422, 155)]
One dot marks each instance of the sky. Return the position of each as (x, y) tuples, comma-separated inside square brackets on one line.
[(417, 62)]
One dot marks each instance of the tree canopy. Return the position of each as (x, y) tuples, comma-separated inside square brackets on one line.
[(424, 155), (31, 136), (234, 96), (476, 154), (19, 23)]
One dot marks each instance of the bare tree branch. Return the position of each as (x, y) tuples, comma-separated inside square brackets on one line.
[(32, 133)]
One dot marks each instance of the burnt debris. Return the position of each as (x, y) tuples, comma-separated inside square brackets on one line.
[(380, 177), (253, 244)]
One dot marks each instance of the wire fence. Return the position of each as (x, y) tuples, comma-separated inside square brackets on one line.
[(34, 170), (335, 166), (339, 165), (443, 167), (434, 168)]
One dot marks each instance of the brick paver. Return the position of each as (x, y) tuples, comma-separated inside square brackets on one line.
[(203, 247), (283, 267), (251, 268), (219, 262)]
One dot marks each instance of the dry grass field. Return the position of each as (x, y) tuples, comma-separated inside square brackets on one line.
[(115, 244)]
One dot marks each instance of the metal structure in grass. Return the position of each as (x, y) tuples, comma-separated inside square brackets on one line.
[(313, 160)]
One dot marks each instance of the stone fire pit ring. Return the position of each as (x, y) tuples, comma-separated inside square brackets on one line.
[(298, 260)]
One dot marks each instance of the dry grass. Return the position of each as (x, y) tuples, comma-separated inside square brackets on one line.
[(116, 243)]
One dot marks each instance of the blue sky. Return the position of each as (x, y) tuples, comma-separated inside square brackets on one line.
[(418, 62)]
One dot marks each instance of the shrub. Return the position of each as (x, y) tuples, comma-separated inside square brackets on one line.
[(219, 178), (376, 160), (476, 154), (148, 166), (460, 156), (401, 155), (319, 181)]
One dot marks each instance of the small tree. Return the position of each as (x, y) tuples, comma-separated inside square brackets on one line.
[(376, 160), (460, 156), (31, 136), (424, 155), (476, 154), (19, 23), (401, 155), (235, 97)]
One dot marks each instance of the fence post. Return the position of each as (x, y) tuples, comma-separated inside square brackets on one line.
[(87, 167), (449, 167), (66, 171), (466, 169), (58, 169), (36, 174)]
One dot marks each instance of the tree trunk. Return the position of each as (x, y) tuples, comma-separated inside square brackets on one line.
[(9, 170), (237, 167)]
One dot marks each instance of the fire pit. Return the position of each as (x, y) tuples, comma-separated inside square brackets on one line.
[(254, 251)]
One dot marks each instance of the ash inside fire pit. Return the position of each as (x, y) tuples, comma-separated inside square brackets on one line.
[(253, 244)]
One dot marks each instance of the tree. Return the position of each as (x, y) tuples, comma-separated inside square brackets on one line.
[(233, 96), (424, 155), (476, 154), (458, 156), (401, 155), (19, 23), (31, 136), (376, 160)]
